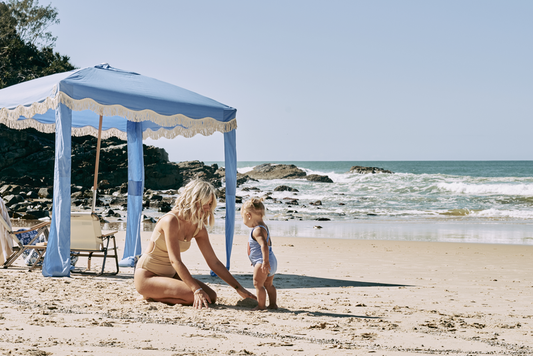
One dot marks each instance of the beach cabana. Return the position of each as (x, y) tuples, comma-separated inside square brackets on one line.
[(106, 101)]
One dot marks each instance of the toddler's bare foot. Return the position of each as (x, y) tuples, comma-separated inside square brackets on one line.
[(258, 308), (273, 306)]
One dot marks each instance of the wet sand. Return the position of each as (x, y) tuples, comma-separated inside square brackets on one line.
[(336, 297)]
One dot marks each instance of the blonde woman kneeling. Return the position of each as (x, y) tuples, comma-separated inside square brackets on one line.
[(160, 274)]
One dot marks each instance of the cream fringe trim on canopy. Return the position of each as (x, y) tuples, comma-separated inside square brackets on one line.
[(206, 126)]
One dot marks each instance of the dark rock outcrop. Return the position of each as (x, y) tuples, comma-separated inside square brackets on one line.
[(247, 189), (27, 171), (196, 169), (26, 154), (27, 158), (368, 170), (291, 201), (318, 178), (243, 178), (284, 188), (276, 171)]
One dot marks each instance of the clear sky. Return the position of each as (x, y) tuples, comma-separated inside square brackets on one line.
[(329, 80)]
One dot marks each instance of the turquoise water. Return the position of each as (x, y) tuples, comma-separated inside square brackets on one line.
[(442, 200), (462, 168)]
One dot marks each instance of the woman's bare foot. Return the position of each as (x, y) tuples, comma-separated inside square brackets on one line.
[(273, 306), (258, 308), (142, 297)]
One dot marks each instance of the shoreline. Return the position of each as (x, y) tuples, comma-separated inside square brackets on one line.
[(460, 231), (336, 297), (506, 233)]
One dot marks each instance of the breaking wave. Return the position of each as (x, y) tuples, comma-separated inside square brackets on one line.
[(485, 189)]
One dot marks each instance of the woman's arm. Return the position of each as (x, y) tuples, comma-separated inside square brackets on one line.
[(202, 239)]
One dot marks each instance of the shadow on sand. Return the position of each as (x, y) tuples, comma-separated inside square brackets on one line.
[(294, 281), (287, 281), (248, 304), (281, 281)]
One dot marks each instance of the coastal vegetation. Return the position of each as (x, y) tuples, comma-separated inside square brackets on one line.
[(26, 45)]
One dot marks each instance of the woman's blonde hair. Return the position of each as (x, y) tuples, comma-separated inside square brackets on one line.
[(192, 198), (254, 205)]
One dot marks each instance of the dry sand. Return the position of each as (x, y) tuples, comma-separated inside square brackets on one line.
[(336, 297)]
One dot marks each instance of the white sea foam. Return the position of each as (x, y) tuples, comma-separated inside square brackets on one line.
[(494, 213), (244, 169), (482, 189)]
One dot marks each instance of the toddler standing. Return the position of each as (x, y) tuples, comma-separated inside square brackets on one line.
[(260, 253)]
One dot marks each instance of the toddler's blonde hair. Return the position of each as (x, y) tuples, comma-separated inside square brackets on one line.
[(192, 198), (254, 205)]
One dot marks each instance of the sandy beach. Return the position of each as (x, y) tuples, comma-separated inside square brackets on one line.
[(336, 297)]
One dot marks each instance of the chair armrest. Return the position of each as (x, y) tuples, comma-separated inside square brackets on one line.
[(108, 234), (35, 227)]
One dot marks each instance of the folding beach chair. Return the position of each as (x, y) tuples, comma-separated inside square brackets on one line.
[(12, 246), (86, 238)]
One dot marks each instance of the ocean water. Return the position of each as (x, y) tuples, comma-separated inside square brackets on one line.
[(466, 201)]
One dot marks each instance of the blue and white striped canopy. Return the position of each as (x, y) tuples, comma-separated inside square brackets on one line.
[(165, 110), (133, 107)]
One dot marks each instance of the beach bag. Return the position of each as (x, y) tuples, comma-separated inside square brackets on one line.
[(30, 256)]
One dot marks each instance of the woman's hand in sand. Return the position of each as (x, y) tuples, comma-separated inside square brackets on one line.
[(245, 294), (201, 299)]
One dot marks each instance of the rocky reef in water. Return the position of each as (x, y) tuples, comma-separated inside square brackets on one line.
[(290, 198), (368, 170)]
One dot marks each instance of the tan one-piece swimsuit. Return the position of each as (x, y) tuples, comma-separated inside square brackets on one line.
[(158, 261)]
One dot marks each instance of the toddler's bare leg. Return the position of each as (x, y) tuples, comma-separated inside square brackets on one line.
[(259, 284), (272, 293)]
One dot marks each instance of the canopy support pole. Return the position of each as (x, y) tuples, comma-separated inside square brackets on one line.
[(95, 185), (230, 158), (57, 258), (132, 245)]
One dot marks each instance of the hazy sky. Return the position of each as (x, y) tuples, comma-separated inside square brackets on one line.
[(329, 80)]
